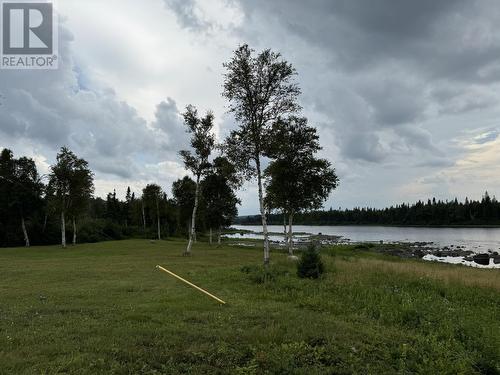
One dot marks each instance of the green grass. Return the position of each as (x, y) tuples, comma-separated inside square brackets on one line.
[(104, 308)]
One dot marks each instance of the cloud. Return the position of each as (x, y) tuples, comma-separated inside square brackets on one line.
[(187, 14), (486, 137), (44, 110), (205, 16), (169, 122)]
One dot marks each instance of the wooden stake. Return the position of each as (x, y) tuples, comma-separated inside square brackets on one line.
[(190, 284)]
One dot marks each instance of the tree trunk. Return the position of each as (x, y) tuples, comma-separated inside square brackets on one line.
[(63, 229), (143, 217), (193, 218), (219, 236), (25, 232), (262, 213), (74, 231), (285, 232), (210, 237), (290, 234), (158, 219), (45, 222)]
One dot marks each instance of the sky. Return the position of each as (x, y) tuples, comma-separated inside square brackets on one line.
[(405, 94)]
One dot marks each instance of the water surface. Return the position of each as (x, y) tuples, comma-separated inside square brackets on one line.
[(478, 240)]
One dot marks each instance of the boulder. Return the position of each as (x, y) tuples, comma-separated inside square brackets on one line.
[(483, 259)]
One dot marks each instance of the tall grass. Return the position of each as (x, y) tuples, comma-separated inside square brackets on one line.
[(103, 308)]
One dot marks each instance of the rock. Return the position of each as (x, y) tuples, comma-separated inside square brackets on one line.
[(419, 253), (292, 258), (496, 259), (483, 259)]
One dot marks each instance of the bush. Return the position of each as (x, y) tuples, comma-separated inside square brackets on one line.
[(264, 274), (98, 230), (310, 265)]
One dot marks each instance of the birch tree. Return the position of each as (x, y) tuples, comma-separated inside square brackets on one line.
[(197, 161), (183, 191), (71, 182), (81, 190), (260, 89), (218, 189), (296, 180)]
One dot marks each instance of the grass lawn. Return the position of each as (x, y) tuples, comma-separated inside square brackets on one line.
[(104, 308)]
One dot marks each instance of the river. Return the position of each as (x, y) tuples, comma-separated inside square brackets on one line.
[(478, 240)]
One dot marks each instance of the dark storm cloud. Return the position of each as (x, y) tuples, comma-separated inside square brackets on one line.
[(168, 120), (393, 65), (440, 37), (186, 14)]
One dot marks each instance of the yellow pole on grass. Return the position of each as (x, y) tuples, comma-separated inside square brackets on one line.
[(190, 284)]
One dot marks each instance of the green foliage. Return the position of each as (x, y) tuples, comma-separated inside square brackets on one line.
[(310, 265), (260, 88), (219, 199), (364, 246), (20, 198), (202, 141), (100, 230)]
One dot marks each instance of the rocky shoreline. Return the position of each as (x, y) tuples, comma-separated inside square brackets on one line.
[(408, 250)]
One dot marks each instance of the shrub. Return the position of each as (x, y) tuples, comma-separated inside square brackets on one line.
[(98, 230), (310, 265), (264, 274)]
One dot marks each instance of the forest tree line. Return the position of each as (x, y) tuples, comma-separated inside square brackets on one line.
[(34, 212), (430, 213)]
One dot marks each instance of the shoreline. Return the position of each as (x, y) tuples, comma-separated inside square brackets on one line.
[(455, 226)]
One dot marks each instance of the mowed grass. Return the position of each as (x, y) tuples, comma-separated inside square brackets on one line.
[(104, 308)]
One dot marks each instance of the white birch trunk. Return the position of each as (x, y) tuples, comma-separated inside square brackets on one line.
[(193, 218), (263, 214), (290, 234), (74, 231), (63, 230), (285, 231), (25, 232)]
